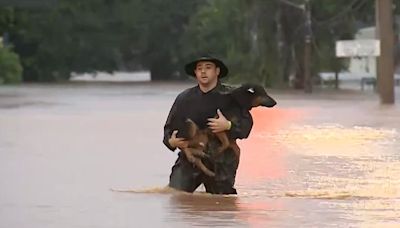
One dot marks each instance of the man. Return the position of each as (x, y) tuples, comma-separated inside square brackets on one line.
[(201, 104)]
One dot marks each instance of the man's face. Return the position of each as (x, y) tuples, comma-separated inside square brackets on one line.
[(206, 72)]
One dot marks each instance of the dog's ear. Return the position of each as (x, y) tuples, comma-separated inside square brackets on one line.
[(192, 128), (251, 90), (242, 95)]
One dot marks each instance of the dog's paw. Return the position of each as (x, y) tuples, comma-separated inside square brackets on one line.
[(191, 159), (206, 156)]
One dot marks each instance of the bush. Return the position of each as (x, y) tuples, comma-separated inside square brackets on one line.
[(10, 67)]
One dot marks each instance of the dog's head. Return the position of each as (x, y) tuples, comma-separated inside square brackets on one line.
[(252, 95)]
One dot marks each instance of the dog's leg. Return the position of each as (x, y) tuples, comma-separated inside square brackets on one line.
[(189, 155), (235, 148), (198, 153), (223, 138), (203, 168), (192, 128), (189, 152)]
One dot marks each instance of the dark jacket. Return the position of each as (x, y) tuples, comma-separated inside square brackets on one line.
[(199, 106)]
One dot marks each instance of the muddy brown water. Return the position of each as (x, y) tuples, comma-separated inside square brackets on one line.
[(330, 159)]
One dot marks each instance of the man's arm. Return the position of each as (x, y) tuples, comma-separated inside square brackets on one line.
[(171, 128), (168, 127)]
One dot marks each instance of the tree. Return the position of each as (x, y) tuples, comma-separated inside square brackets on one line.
[(10, 67), (260, 40), (101, 35), (241, 32)]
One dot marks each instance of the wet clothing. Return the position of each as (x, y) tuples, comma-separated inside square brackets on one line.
[(199, 106)]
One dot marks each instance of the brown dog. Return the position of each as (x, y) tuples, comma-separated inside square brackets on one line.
[(197, 140)]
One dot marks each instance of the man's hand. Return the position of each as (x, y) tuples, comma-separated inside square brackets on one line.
[(177, 142), (219, 124)]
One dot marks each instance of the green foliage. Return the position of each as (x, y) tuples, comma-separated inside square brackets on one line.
[(240, 33), (6, 18), (70, 38), (162, 25), (332, 24), (260, 40), (10, 67), (100, 35)]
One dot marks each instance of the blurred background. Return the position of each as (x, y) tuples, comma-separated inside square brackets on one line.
[(86, 87), (263, 41)]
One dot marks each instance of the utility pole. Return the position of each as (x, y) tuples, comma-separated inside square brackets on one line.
[(307, 49), (306, 8), (385, 69)]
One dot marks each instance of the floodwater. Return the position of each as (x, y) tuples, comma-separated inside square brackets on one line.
[(323, 160)]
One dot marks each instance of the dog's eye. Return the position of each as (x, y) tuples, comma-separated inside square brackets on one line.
[(250, 90)]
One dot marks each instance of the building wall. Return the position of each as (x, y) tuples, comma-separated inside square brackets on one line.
[(364, 65)]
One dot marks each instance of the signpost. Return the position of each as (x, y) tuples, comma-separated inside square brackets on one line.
[(358, 48)]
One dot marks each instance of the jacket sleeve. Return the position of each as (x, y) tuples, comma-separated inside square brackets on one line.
[(168, 127), (241, 126)]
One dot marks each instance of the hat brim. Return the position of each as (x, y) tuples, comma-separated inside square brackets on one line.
[(190, 67)]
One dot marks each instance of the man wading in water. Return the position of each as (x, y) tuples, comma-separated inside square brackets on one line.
[(201, 104)]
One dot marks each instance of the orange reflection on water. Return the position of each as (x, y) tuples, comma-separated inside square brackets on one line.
[(335, 140), (262, 156)]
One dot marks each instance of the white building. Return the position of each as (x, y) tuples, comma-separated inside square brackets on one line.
[(365, 65)]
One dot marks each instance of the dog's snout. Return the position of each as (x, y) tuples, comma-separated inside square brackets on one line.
[(268, 102)]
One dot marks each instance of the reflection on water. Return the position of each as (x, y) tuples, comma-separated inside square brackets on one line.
[(347, 168), (58, 163), (204, 210), (358, 162), (262, 157), (201, 209), (337, 140), (359, 166)]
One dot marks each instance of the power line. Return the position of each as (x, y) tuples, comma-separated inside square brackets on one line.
[(301, 7), (353, 6)]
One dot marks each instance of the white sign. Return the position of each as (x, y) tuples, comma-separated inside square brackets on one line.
[(352, 48)]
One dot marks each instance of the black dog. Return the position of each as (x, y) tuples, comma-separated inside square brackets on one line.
[(244, 97)]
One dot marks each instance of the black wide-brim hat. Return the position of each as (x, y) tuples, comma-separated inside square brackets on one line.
[(190, 67)]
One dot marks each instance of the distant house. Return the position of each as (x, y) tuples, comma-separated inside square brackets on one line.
[(364, 65), (367, 65), (138, 76)]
